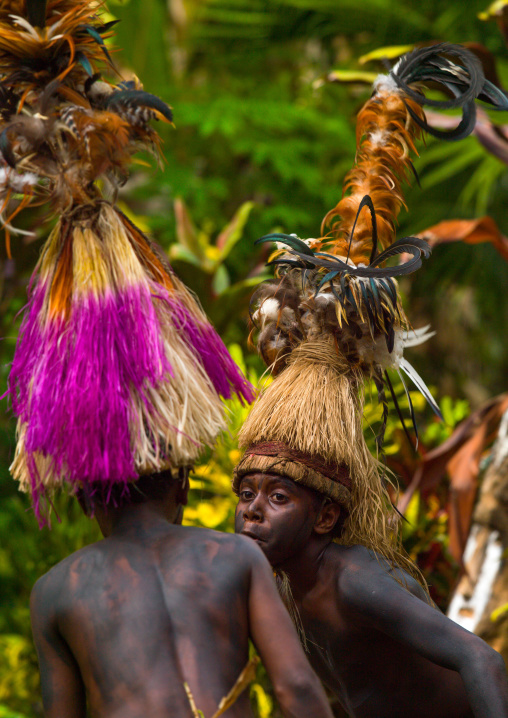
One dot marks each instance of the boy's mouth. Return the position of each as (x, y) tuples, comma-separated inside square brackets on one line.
[(252, 535)]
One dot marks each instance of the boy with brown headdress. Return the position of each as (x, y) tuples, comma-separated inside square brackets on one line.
[(331, 319)]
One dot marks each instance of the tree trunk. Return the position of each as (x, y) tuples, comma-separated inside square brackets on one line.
[(480, 601)]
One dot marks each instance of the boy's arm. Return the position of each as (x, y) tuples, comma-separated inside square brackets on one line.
[(387, 606), (63, 692), (297, 688)]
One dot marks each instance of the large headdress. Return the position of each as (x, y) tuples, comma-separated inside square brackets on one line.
[(332, 318), (117, 371)]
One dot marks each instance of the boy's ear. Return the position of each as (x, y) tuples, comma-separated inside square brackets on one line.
[(85, 504), (327, 518), (183, 491)]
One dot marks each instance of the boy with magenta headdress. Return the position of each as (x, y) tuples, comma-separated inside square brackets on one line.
[(116, 383)]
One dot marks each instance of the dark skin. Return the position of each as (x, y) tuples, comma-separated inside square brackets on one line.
[(123, 623), (381, 648)]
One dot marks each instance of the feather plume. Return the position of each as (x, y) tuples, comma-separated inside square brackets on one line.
[(59, 120), (339, 284)]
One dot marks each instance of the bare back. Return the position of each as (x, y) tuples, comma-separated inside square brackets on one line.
[(141, 615)]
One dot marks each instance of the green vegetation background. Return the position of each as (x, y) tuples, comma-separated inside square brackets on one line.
[(259, 146)]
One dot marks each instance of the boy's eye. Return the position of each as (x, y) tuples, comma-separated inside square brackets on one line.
[(279, 497), (246, 494)]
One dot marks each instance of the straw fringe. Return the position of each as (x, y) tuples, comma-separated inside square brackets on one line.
[(284, 588), (313, 406)]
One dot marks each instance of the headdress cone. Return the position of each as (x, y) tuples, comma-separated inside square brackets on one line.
[(307, 425)]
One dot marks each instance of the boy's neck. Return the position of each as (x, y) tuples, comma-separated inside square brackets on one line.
[(140, 519), (303, 569)]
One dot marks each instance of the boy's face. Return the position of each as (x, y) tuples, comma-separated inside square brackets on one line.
[(277, 513)]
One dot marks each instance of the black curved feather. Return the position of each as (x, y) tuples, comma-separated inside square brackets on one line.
[(351, 298), (389, 288), (95, 34), (459, 72), (411, 408), (415, 173), (294, 263), (366, 303), (327, 278), (289, 240), (428, 65), (390, 338), (399, 412), (405, 244), (412, 245), (334, 291), (463, 129), (374, 291), (85, 64), (101, 29), (6, 149), (138, 98), (366, 202), (494, 95)]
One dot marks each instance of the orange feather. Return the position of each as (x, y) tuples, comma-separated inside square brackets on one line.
[(385, 136), (61, 286)]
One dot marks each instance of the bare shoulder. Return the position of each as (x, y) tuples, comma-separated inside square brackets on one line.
[(219, 544), (51, 586), (366, 575), (222, 557)]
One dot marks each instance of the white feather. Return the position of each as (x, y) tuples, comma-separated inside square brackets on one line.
[(324, 298), (415, 337), (269, 310), (377, 352), (26, 25), (420, 384), (379, 137), (385, 83)]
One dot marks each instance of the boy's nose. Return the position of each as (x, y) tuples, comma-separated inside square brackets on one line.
[(252, 512)]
